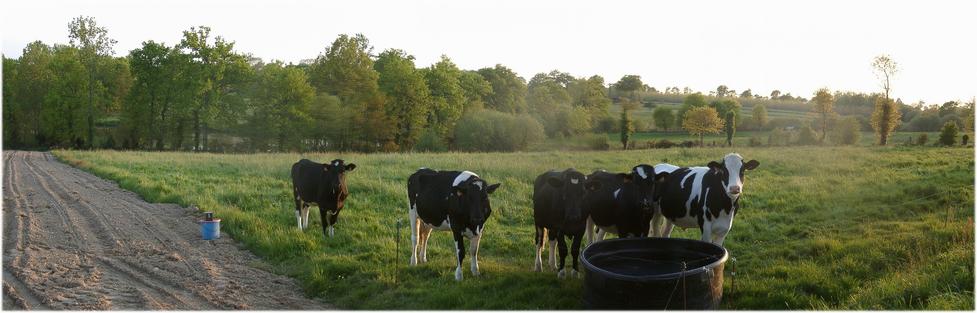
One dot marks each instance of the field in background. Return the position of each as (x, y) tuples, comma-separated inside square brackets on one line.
[(819, 228)]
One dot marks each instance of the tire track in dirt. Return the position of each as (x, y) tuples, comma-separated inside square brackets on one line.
[(75, 241)]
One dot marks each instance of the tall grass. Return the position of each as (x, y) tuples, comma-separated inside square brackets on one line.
[(820, 228)]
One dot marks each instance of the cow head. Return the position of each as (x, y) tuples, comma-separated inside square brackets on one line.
[(573, 186), (332, 190), (471, 200), (644, 179), (731, 171)]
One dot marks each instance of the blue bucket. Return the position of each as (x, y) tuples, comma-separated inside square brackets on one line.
[(211, 229)]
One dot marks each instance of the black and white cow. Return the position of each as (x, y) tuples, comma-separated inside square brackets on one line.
[(559, 212), (448, 200), (621, 203), (323, 185), (703, 197)]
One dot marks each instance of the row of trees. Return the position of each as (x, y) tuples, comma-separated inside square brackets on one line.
[(201, 94)]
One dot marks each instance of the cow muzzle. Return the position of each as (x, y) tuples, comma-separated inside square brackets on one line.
[(735, 190)]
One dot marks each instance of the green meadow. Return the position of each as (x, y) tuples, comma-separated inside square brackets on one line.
[(819, 227)]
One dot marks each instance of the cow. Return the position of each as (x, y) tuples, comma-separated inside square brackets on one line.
[(323, 185), (621, 203), (558, 211), (448, 200), (703, 197)]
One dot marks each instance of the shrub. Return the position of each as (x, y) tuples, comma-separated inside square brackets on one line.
[(807, 136), (664, 144), (598, 142), (846, 131), (430, 141), (922, 140), (489, 130), (778, 137), (755, 141), (948, 136), (963, 140)]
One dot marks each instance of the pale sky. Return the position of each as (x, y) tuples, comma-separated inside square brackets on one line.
[(793, 46)]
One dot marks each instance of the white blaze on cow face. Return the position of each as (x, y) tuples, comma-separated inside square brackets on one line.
[(734, 186), (462, 178), (641, 172)]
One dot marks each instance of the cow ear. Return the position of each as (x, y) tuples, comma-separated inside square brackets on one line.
[(715, 165), (555, 182), (350, 167), (458, 190), (492, 188), (625, 176), (751, 165), (592, 185), (326, 167)]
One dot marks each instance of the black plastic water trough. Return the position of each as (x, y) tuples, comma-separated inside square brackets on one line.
[(647, 274)]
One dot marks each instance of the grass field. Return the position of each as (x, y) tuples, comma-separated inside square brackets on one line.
[(819, 228)]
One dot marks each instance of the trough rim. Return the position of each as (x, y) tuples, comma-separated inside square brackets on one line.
[(644, 278)]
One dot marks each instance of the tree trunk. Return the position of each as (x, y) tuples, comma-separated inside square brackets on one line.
[(91, 107), (196, 130)]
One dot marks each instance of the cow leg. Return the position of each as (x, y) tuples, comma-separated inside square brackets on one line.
[(589, 231), (460, 252), (305, 215), (706, 231), (667, 230), (298, 209), (551, 235), (475, 241), (600, 234), (561, 242), (656, 223), (575, 253), (425, 235), (539, 239), (333, 218), (719, 235), (413, 221), (326, 227)]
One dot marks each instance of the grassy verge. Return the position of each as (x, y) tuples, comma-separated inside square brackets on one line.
[(838, 228)]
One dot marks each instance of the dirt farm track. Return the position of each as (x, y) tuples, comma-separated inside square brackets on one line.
[(74, 241)]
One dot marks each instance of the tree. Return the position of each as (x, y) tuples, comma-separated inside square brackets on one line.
[(447, 96), (885, 118), (25, 93), (760, 115), (746, 94), (627, 128), (281, 105), (696, 100), (885, 68), (216, 69), (824, 108), (93, 43), (721, 91), (702, 120), (774, 94), (407, 94), (548, 98), (663, 118), (968, 115), (948, 135), (345, 70), (730, 127), (508, 89), (64, 111), (629, 84), (474, 88), (591, 95)]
